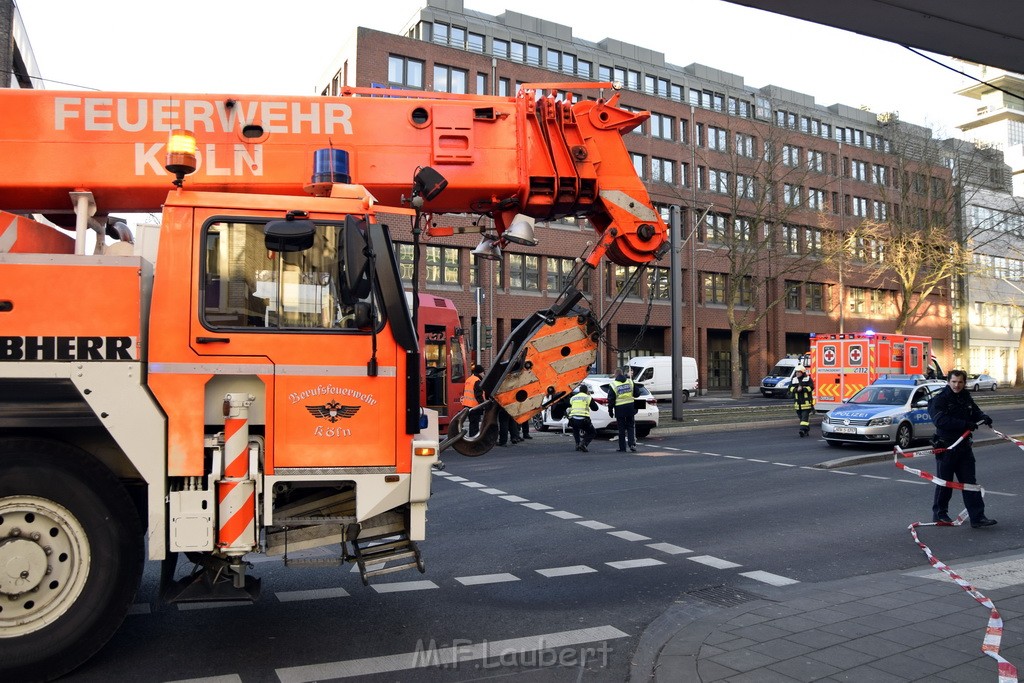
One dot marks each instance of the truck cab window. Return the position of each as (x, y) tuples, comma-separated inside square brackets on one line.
[(246, 286)]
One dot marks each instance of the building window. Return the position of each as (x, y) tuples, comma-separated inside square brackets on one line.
[(745, 145), (816, 199), (481, 84), (815, 296), (816, 160), (500, 48), (742, 230), (879, 175), (524, 272), (714, 288), (791, 155), (715, 225), (661, 170), (745, 186), (406, 262), (745, 291), (475, 42), (533, 55), (658, 283), (791, 239), (718, 139), (585, 68), (604, 73), (450, 79), (442, 265), (791, 194), (517, 51), (718, 181), (638, 164), (879, 211), (504, 87), (620, 276), (855, 300), (793, 295), (860, 207), (662, 126), (814, 238), (558, 272), (405, 72), (859, 170)]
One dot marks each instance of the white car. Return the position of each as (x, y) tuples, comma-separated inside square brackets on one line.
[(646, 417)]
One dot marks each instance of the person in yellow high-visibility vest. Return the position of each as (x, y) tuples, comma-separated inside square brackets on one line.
[(801, 388), (472, 396), (622, 408), (580, 405)]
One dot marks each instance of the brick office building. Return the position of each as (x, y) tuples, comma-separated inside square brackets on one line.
[(704, 150)]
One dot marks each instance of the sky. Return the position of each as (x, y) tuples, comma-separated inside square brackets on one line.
[(262, 46)]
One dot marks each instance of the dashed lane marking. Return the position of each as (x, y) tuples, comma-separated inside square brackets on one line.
[(715, 562), (784, 464), (669, 548), (436, 658), (454, 478), (482, 579), (633, 564), (629, 536), (566, 571), (494, 492), (474, 484), (562, 514), (593, 524), (403, 586), (537, 506), (317, 594), (769, 578), (514, 499)]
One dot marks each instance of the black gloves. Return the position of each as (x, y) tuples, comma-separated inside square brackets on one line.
[(986, 421)]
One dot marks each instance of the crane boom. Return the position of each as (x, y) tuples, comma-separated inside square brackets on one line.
[(542, 157)]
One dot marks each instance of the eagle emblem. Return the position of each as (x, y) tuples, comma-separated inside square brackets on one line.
[(332, 411)]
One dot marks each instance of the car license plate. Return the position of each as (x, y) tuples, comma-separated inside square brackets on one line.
[(845, 430)]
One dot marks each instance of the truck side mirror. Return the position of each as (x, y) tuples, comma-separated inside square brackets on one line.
[(289, 235)]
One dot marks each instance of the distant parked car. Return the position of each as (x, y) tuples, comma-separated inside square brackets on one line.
[(646, 417), (978, 382), (892, 411)]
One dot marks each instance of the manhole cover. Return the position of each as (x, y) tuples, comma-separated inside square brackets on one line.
[(724, 596)]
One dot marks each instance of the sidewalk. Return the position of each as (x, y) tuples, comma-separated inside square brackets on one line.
[(893, 626)]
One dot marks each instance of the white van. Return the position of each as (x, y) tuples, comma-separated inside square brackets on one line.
[(655, 373), (776, 384)]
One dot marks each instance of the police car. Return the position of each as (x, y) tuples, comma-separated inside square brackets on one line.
[(889, 411)]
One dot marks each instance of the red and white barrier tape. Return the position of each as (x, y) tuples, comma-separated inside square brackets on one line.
[(994, 631)]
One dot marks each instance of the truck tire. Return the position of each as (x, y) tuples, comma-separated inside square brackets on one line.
[(71, 529), (904, 435)]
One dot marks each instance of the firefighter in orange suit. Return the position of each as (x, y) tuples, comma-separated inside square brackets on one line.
[(802, 391)]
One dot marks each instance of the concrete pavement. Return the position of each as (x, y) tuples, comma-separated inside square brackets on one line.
[(909, 625), (894, 626)]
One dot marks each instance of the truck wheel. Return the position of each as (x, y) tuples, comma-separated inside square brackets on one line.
[(904, 436), (71, 549)]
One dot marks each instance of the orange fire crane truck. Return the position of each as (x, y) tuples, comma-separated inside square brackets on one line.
[(251, 384), (843, 364)]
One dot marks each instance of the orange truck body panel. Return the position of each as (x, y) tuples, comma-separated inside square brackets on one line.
[(843, 364)]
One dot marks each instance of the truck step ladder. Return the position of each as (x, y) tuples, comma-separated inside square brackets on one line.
[(373, 553)]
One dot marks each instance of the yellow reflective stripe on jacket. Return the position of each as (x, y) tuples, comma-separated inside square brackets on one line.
[(579, 405)]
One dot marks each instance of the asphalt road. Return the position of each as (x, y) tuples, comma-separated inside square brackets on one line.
[(545, 564)]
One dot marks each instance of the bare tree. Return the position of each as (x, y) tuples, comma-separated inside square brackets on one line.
[(765, 193)]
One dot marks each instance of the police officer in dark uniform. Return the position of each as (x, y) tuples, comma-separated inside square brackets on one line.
[(954, 412)]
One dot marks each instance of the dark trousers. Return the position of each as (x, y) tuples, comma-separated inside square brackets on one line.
[(507, 427), (625, 419), (582, 430), (958, 463), (804, 415)]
